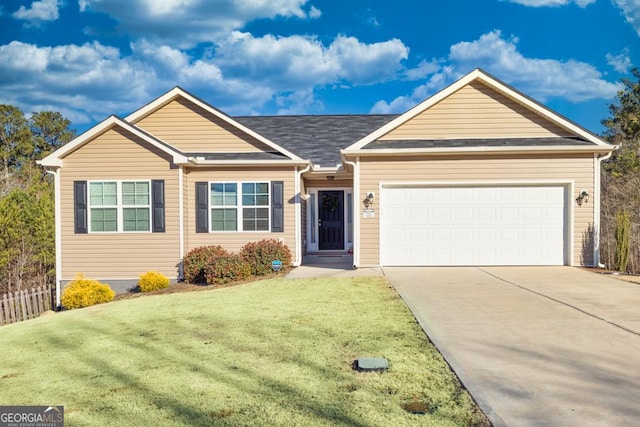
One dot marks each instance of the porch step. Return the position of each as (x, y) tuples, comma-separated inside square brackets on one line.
[(315, 259)]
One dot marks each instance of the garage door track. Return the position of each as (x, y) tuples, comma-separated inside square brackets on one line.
[(535, 346)]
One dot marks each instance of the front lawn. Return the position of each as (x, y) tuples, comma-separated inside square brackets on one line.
[(272, 352)]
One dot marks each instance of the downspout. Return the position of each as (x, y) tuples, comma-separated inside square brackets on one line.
[(181, 221), (298, 212), (596, 207), (58, 234), (356, 210)]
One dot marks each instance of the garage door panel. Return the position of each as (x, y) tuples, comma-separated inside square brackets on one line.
[(473, 225)]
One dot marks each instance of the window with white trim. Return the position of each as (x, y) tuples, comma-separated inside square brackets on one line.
[(239, 206), (119, 206)]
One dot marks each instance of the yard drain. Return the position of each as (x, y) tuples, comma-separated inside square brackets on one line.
[(416, 408)]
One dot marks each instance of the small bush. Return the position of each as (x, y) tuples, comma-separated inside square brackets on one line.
[(623, 240), (227, 268), (260, 254), (83, 292), (196, 261), (152, 281)]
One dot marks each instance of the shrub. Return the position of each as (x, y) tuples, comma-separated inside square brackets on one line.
[(623, 239), (227, 268), (83, 292), (152, 281), (260, 254), (195, 262)]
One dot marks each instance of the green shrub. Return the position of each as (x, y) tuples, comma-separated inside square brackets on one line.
[(260, 254), (83, 292), (227, 268), (195, 262), (152, 281)]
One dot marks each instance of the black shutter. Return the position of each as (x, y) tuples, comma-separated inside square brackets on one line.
[(202, 207), (157, 205), (80, 207), (277, 206)]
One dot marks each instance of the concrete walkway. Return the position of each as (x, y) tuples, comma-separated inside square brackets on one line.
[(535, 346), (330, 266)]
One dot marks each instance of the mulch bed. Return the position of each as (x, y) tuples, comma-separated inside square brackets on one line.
[(191, 287)]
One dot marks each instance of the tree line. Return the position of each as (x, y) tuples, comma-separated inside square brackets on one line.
[(620, 221), (27, 227)]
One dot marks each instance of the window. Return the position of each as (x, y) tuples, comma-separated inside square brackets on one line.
[(224, 206), (255, 206), (116, 206), (135, 206), (103, 202), (239, 206)]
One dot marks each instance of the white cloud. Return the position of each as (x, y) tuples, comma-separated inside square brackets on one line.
[(551, 3), (540, 78), (315, 13), (298, 62), (423, 69), (82, 81), (621, 63), (241, 76), (631, 10), (163, 21), (44, 10)]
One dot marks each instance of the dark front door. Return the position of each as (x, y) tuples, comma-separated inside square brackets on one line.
[(331, 220)]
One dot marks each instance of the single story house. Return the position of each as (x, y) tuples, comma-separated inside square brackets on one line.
[(477, 174)]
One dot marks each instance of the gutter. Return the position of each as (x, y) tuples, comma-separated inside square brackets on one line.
[(298, 212), (441, 151), (596, 206), (199, 161), (356, 210), (58, 235)]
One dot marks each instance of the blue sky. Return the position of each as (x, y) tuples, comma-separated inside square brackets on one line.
[(92, 58)]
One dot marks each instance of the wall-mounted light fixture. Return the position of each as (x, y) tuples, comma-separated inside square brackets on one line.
[(368, 201), (583, 197), (330, 177)]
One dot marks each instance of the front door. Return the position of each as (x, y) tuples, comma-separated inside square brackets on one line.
[(331, 220)]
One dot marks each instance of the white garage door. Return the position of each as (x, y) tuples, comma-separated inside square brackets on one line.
[(473, 226)]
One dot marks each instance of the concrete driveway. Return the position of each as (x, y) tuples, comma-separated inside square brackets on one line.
[(535, 346)]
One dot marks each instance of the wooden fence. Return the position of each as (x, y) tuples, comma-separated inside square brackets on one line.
[(25, 304)]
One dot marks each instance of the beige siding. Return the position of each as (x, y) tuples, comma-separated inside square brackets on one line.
[(578, 169), (192, 129), (118, 155), (476, 111), (233, 241), (342, 183)]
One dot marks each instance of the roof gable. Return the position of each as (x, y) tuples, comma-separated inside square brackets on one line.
[(476, 111), (478, 106), (193, 126), (55, 159)]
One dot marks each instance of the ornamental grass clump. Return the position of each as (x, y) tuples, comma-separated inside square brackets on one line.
[(152, 281), (83, 292), (260, 254), (196, 261)]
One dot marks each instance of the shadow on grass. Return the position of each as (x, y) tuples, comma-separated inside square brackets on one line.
[(108, 366)]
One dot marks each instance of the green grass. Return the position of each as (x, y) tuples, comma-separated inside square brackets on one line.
[(272, 352)]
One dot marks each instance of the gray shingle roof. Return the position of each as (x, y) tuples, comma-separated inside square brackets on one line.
[(502, 142), (316, 138)]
